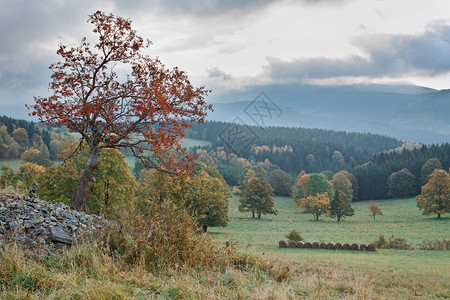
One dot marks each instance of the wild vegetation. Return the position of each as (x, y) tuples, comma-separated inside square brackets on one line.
[(175, 232)]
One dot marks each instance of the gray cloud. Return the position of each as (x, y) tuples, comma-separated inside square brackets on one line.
[(386, 55), (196, 7), (217, 73)]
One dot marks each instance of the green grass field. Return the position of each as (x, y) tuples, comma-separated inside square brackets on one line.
[(188, 143), (401, 219), (12, 163)]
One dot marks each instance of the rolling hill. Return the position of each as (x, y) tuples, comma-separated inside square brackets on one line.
[(406, 112)]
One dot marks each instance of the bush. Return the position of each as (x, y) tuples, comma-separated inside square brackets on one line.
[(158, 235), (294, 235), (435, 245), (236, 190), (393, 243)]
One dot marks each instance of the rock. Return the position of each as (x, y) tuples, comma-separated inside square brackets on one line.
[(32, 192), (44, 224), (57, 234)]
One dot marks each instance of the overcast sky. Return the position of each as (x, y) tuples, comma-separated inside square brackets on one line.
[(232, 43)]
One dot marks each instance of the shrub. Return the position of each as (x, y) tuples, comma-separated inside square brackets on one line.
[(236, 190), (436, 245), (294, 235), (393, 243), (161, 235)]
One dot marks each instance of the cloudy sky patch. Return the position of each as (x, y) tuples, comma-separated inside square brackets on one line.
[(228, 44)]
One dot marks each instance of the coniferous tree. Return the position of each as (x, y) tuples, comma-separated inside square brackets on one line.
[(340, 204)]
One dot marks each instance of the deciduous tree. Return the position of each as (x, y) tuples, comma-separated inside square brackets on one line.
[(317, 205), (113, 185), (203, 194), (257, 197), (402, 184), (427, 169), (311, 185), (280, 182), (374, 210), (151, 105), (435, 196)]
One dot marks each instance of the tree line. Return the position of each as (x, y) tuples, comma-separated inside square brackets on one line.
[(375, 176), (39, 143), (296, 149)]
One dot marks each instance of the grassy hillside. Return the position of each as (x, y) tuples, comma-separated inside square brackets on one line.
[(89, 272), (401, 219), (401, 272)]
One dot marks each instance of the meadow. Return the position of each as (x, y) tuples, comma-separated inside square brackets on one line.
[(404, 273)]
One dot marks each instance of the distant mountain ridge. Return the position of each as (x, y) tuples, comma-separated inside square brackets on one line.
[(407, 112)]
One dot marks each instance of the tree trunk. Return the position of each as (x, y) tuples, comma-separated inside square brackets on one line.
[(259, 215), (439, 216), (82, 195), (253, 214), (205, 228)]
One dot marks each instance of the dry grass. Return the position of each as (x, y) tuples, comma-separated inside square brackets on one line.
[(88, 272)]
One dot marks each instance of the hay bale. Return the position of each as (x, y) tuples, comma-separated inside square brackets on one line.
[(354, 246), (300, 244), (292, 244), (307, 245), (282, 244), (338, 246), (346, 246), (315, 245), (371, 247), (331, 246), (363, 247), (323, 245)]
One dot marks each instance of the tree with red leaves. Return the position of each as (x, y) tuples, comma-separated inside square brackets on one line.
[(147, 109)]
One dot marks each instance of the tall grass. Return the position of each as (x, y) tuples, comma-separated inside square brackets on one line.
[(156, 252)]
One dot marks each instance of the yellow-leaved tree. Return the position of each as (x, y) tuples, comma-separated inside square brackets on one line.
[(317, 205), (113, 187), (435, 196), (203, 194)]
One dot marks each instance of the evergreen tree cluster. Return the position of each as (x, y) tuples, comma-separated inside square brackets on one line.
[(296, 149), (373, 176)]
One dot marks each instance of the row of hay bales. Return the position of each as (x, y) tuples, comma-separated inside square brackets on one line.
[(316, 245)]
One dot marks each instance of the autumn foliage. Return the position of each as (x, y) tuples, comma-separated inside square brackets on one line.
[(147, 109), (374, 210), (435, 196)]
